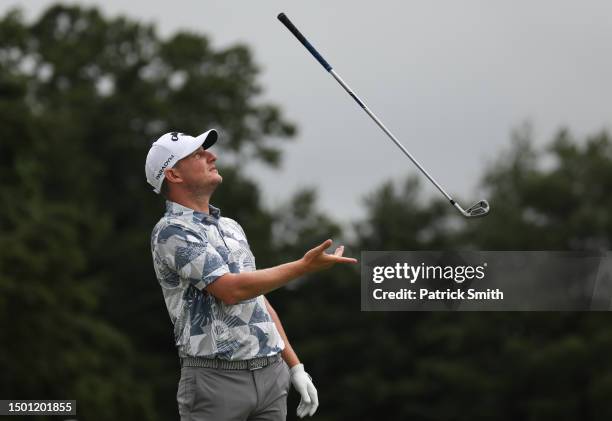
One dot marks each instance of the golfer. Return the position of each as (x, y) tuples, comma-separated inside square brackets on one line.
[(236, 360)]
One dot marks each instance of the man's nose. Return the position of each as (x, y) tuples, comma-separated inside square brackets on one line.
[(211, 156)]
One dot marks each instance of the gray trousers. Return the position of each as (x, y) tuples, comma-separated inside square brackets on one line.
[(234, 395)]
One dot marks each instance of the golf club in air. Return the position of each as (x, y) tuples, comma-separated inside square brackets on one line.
[(481, 208)]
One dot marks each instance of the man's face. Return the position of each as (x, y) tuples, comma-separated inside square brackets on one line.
[(198, 171)]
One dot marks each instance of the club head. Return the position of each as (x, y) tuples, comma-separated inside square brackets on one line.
[(478, 209)]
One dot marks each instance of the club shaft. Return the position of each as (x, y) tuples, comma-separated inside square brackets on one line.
[(388, 133)]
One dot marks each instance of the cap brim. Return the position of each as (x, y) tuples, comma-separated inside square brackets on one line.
[(208, 138)]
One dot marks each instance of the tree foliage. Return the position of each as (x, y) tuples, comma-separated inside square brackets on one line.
[(492, 366)]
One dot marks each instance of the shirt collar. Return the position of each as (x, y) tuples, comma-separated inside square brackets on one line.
[(176, 209)]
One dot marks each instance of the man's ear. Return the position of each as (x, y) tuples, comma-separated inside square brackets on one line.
[(173, 175)]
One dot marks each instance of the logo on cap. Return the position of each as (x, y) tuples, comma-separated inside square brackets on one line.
[(175, 136), (164, 165)]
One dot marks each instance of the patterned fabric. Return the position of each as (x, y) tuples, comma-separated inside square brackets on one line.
[(190, 251)]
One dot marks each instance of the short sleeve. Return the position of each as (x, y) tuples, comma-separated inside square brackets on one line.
[(189, 254)]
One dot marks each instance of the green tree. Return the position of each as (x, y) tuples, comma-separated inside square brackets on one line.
[(551, 199), (398, 218)]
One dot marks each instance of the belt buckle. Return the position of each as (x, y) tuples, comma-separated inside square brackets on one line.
[(256, 364)]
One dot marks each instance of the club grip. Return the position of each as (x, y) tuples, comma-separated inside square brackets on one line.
[(285, 20)]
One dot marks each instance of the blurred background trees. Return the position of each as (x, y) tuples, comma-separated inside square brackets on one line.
[(81, 98)]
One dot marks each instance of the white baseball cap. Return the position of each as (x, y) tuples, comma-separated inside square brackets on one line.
[(169, 149)]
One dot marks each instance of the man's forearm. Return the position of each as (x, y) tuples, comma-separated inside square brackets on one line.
[(232, 288), (235, 287)]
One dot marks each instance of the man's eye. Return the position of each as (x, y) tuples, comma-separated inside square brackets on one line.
[(197, 156)]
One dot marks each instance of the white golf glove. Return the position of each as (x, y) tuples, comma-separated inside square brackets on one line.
[(303, 384)]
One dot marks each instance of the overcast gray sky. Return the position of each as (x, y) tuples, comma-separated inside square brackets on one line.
[(449, 78)]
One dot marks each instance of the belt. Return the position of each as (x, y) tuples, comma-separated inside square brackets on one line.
[(252, 364)]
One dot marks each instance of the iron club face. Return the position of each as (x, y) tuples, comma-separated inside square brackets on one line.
[(478, 209)]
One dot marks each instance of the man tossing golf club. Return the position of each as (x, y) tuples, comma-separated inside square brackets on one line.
[(234, 353)]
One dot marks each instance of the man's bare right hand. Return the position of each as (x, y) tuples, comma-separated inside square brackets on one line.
[(316, 259)]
